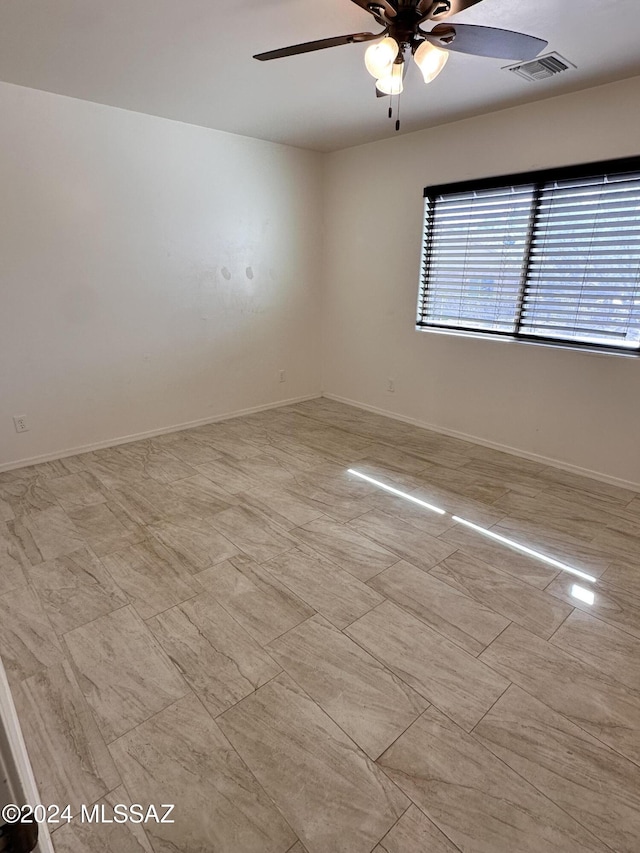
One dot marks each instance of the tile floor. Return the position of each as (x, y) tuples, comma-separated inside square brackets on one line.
[(227, 619)]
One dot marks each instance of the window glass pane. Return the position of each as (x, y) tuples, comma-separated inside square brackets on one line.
[(475, 244), (584, 271), (555, 258)]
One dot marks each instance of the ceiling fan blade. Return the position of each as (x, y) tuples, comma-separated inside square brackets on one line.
[(321, 44), (438, 9), (389, 10), (486, 41)]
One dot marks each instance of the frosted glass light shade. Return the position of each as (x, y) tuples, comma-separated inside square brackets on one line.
[(379, 57), (430, 60), (391, 83)]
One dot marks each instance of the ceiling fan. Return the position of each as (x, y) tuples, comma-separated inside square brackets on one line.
[(402, 35)]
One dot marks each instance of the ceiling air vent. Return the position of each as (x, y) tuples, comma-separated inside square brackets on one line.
[(542, 67)]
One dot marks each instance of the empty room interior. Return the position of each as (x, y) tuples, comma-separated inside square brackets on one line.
[(319, 426)]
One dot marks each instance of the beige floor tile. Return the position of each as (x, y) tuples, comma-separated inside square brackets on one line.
[(123, 672), (262, 605), (390, 476), (609, 499), (151, 577), (624, 575), (527, 569), (327, 588), (186, 447), (411, 513), (157, 464), (622, 545), (593, 700), (25, 496), (578, 553), (106, 835), (602, 646), (460, 481), (332, 795), (216, 656), (14, 559), (394, 460), (434, 449), (480, 804), (197, 496), (28, 642), (229, 474), (70, 760), (221, 438), (451, 679), (75, 589), (415, 833), (113, 469), (267, 469), (458, 617), (591, 782), (180, 756), (278, 505), (74, 491), (339, 445), (414, 546), (454, 503), (193, 542), (106, 527), (356, 554), (135, 501), (253, 533), (332, 491), (51, 532), (289, 591), (634, 504), (537, 611), (587, 485), (6, 512), (553, 513), (518, 475), (292, 455), (610, 603), (48, 470), (368, 702)]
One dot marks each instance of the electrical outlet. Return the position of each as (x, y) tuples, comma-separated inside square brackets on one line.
[(20, 423), (281, 376), (391, 385)]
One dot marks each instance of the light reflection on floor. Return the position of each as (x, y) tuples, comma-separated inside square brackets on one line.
[(577, 591)]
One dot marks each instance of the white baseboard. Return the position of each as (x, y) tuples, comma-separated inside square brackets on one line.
[(505, 448), (127, 439)]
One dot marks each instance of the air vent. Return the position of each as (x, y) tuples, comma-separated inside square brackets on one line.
[(542, 67)]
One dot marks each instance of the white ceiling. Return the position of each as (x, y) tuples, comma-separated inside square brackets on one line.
[(191, 60)]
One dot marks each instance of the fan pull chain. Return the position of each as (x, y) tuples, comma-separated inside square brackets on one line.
[(398, 114)]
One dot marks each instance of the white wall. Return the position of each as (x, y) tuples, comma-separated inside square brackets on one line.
[(152, 273), (578, 408)]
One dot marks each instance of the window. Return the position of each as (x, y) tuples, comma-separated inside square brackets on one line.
[(551, 256)]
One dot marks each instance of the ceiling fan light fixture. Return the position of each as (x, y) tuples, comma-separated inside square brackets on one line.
[(430, 60), (391, 83), (379, 57)]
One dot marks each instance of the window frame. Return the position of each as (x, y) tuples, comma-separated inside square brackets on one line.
[(538, 178)]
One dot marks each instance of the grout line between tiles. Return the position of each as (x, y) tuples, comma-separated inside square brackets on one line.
[(396, 822), (487, 746), (552, 635)]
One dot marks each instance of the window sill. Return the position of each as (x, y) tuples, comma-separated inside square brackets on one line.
[(509, 339)]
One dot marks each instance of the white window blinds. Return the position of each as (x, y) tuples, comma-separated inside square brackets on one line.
[(554, 256)]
